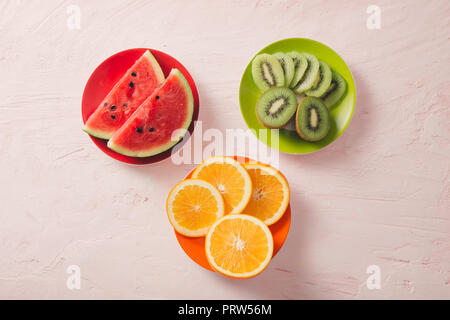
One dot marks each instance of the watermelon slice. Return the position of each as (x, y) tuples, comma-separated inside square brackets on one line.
[(152, 128), (125, 97)]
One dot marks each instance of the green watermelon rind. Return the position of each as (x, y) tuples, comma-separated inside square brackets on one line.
[(98, 134), (160, 77), (174, 140)]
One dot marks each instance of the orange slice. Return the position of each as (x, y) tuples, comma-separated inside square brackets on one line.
[(270, 196), (239, 246), (230, 178), (193, 206)]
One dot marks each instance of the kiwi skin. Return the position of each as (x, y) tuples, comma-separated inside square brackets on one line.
[(297, 128), (265, 124)]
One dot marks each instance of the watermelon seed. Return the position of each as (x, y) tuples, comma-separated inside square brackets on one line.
[(131, 84), (157, 97), (151, 129), (134, 74), (139, 130), (105, 104), (113, 117), (125, 105), (113, 107)]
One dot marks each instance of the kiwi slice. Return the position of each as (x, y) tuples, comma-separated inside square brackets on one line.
[(300, 66), (267, 72), (276, 107), (310, 76), (336, 91), (322, 82), (313, 119), (288, 67)]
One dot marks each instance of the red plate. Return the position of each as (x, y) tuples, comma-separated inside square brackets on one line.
[(195, 247), (106, 76)]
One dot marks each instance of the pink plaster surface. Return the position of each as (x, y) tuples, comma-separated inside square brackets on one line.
[(380, 195)]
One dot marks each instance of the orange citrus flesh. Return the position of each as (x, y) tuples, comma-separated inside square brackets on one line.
[(193, 206), (270, 195), (230, 178), (239, 246)]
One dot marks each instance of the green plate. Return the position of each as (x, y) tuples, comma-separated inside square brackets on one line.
[(289, 141)]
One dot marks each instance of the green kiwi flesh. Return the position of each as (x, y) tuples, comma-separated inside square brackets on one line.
[(288, 67), (310, 76), (336, 91), (322, 82), (313, 119), (267, 72), (300, 66), (276, 107)]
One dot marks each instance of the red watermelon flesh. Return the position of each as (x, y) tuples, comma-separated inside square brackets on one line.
[(152, 129), (136, 85)]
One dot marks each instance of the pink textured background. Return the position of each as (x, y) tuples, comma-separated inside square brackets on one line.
[(379, 195)]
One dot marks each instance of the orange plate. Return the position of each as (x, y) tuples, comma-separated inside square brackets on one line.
[(195, 247)]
